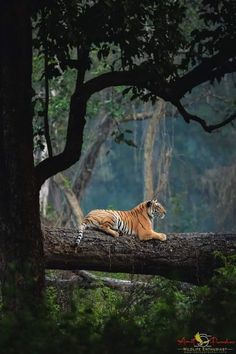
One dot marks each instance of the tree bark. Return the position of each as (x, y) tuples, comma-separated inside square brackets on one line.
[(148, 150), (186, 257), (87, 280), (88, 160), (72, 199), (21, 261)]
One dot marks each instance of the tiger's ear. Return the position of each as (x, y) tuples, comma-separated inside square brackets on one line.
[(149, 203)]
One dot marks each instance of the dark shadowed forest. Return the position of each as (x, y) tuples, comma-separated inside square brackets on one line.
[(105, 104)]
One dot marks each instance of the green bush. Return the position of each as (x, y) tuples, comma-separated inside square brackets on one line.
[(103, 321)]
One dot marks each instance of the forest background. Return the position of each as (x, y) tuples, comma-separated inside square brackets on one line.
[(134, 147)]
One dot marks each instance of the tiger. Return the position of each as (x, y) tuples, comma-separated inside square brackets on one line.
[(137, 221)]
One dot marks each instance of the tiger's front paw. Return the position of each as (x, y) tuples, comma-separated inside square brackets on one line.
[(163, 237)]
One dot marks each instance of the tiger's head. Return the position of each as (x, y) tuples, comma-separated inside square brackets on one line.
[(155, 209)]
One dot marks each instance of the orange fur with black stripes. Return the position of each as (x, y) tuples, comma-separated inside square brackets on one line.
[(137, 221)]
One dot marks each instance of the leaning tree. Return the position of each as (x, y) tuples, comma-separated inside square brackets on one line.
[(154, 48)]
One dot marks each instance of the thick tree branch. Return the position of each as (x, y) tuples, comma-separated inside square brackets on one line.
[(185, 257), (115, 78), (74, 140), (210, 68)]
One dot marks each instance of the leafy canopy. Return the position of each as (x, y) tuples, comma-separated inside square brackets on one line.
[(155, 48), (125, 33)]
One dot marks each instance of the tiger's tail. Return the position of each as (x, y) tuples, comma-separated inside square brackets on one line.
[(81, 233)]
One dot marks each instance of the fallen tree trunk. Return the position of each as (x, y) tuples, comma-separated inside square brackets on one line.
[(188, 257), (86, 280)]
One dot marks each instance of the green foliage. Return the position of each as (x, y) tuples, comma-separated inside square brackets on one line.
[(129, 30), (53, 307), (159, 38), (212, 31), (215, 306), (218, 30), (104, 321), (126, 35)]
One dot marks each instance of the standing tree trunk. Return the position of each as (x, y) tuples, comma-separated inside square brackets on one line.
[(71, 197), (148, 150), (22, 269)]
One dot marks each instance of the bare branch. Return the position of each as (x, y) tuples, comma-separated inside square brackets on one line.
[(208, 70), (86, 280), (137, 116), (208, 128)]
